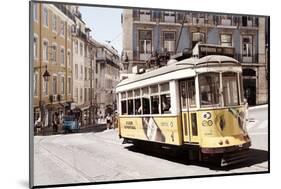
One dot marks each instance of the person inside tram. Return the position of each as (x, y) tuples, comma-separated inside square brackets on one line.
[(165, 104)]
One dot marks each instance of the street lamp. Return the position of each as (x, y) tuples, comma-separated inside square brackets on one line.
[(46, 75)]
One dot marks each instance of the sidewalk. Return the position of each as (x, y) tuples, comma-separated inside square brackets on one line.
[(86, 128), (258, 107)]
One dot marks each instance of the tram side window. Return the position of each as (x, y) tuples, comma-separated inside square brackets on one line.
[(209, 89), (138, 109), (242, 97), (124, 107), (191, 93), (230, 89), (130, 107), (165, 103), (155, 104), (145, 106)]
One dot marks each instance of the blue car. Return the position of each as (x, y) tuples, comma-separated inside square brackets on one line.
[(70, 124)]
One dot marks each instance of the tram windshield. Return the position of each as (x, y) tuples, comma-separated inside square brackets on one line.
[(210, 86), (209, 89)]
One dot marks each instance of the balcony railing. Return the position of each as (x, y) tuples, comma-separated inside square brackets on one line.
[(196, 19), (247, 59)]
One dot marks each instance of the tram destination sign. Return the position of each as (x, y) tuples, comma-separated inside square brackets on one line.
[(205, 50)]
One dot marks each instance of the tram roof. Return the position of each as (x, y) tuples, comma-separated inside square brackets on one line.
[(189, 63)]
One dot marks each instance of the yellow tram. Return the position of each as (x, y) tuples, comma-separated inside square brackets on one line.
[(196, 103)]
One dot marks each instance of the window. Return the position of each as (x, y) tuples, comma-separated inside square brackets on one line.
[(81, 94), (45, 50), (35, 11), (81, 72), (230, 89), (62, 56), (169, 16), (76, 71), (226, 40), (137, 102), (85, 93), (247, 48), (197, 37), (81, 49), (155, 104), (85, 71), (154, 89), (242, 96), (54, 23), (130, 103), (35, 47), (165, 103), (191, 93), (62, 85), (62, 28), (76, 47), (68, 32), (68, 58), (97, 69), (54, 85), (123, 103), (54, 53), (45, 17), (90, 75), (69, 85), (209, 89), (165, 98), (76, 93), (145, 41), (145, 15), (35, 83), (45, 88), (145, 105), (226, 20), (169, 41), (145, 101)]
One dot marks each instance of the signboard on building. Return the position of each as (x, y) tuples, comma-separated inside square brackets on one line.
[(205, 50)]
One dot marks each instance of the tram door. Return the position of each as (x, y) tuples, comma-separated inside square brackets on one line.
[(188, 112)]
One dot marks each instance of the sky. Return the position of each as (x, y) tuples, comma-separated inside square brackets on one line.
[(105, 24)]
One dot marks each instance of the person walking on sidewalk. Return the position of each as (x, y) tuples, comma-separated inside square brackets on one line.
[(108, 121), (55, 123)]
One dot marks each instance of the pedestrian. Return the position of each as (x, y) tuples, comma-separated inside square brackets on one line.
[(55, 122), (108, 121)]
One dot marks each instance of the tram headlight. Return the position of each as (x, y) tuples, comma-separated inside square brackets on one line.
[(226, 141), (220, 142)]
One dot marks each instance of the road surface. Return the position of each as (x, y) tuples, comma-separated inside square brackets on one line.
[(99, 157)]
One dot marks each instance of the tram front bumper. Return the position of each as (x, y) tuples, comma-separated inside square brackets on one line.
[(215, 145)]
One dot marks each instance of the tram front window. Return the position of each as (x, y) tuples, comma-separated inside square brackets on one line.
[(209, 89), (230, 89)]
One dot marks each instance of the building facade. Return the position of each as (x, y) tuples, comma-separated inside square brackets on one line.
[(52, 52), (148, 31), (106, 79)]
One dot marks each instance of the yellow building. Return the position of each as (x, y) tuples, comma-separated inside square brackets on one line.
[(52, 52)]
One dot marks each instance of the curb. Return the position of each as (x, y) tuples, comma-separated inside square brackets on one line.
[(258, 107)]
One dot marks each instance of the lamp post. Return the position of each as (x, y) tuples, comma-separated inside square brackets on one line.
[(46, 77)]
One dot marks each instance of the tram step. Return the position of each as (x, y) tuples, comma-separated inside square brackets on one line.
[(233, 158)]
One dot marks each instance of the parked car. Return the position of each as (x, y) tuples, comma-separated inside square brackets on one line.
[(70, 124)]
